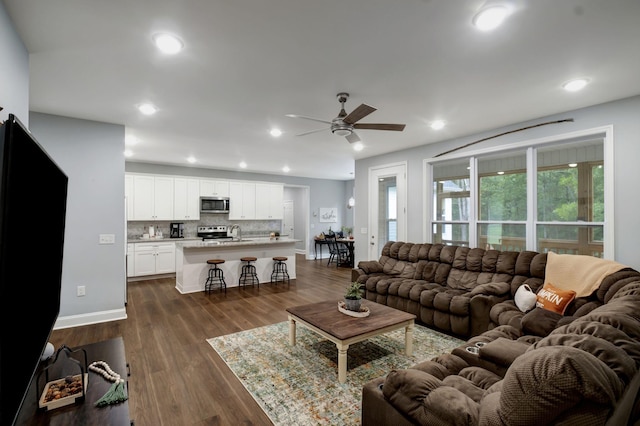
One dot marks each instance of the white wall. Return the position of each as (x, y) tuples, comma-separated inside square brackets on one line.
[(623, 114), (91, 154), (14, 72)]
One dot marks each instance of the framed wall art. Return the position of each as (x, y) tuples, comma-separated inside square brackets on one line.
[(328, 214)]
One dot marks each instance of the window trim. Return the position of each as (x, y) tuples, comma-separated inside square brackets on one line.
[(603, 132)]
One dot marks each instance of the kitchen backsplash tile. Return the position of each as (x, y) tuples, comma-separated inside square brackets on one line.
[(255, 228)]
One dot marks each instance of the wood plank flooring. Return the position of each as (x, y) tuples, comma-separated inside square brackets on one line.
[(176, 377)]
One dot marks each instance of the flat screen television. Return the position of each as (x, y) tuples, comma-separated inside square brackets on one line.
[(33, 195)]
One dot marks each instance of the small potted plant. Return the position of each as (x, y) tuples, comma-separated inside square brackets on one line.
[(353, 296)]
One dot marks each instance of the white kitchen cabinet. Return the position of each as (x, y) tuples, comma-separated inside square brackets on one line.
[(152, 197), (214, 188), (154, 258), (242, 200), (186, 194), (269, 198), (131, 260)]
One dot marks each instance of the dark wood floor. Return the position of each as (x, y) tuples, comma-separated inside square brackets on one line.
[(176, 377)]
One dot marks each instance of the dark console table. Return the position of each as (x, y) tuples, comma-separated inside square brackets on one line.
[(84, 412)]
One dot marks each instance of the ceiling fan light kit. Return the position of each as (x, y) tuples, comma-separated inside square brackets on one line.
[(344, 124)]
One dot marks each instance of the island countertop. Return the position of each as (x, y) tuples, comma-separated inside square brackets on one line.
[(192, 256), (234, 243)]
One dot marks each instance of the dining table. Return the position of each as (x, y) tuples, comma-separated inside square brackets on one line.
[(349, 242)]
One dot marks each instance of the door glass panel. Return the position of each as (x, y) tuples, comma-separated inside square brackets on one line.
[(387, 210)]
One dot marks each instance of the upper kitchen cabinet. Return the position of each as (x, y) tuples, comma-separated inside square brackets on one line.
[(186, 204), (214, 188), (269, 198), (242, 200), (152, 197)]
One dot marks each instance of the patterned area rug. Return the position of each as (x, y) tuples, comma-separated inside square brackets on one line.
[(299, 385)]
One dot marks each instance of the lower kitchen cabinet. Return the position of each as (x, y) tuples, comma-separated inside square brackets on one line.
[(131, 270), (154, 258)]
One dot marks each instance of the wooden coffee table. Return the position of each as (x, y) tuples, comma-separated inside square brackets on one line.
[(344, 330)]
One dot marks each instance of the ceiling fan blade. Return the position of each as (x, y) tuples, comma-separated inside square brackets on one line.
[(352, 138), (311, 131), (358, 114), (308, 118), (378, 126)]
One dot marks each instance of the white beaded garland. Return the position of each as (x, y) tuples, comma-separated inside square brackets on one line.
[(102, 368)]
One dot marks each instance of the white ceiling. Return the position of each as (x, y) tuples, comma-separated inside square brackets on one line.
[(247, 63)]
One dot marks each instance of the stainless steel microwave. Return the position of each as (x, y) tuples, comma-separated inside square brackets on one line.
[(214, 204)]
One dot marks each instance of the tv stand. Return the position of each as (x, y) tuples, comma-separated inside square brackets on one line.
[(84, 412)]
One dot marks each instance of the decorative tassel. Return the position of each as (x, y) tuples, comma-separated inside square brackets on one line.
[(115, 395)]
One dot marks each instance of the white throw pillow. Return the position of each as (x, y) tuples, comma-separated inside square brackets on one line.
[(525, 298)]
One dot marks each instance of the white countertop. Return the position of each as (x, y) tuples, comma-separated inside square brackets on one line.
[(249, 241)]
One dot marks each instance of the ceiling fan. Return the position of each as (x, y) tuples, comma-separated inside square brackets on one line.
[(344, 124)]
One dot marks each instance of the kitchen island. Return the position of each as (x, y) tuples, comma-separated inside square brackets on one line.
[(192, 256)]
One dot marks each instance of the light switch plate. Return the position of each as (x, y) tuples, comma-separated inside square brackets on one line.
[(107, 239)]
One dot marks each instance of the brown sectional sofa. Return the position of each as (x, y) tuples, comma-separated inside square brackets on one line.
[(450, 288), (539, 367)]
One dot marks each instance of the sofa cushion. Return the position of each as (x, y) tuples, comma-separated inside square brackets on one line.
[(552, 380), (539, 322)]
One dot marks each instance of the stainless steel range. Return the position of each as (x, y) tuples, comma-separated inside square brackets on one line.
[(216, 232)]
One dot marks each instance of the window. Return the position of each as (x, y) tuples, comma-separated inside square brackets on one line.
[(502, 201), (451, 203), (545, 197), (570, 199)]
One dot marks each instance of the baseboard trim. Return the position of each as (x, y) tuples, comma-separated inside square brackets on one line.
[(91, 318)]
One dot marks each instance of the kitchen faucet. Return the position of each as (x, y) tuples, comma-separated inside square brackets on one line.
[(233, 228)]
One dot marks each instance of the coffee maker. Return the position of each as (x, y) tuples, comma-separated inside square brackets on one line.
[(176, 230)]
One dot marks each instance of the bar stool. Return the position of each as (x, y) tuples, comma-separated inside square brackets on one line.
[(248, 274), (280, 272), (216, 276)]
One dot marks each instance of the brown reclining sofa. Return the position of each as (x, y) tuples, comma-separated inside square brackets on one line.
[(578, 367)]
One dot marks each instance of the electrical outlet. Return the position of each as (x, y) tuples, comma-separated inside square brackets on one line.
[(107, 239), (81, 290)]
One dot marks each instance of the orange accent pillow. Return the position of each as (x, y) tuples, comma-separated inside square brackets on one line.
[(554, 299)]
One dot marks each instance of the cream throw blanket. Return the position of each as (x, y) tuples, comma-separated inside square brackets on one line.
[(580, 273)]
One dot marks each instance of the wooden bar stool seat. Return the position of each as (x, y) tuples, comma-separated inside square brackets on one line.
[(215, 277), (248, 275)]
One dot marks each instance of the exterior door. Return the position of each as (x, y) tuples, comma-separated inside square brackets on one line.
[(387, 206)]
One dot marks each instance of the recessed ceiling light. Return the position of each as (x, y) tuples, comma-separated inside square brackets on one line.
[(243, 165), (575, 85), (286, 169), (191, 159), (147, 109), (437, 125), (490, 18), (167, 43), (275, 132), (128, 153), (358, 146)]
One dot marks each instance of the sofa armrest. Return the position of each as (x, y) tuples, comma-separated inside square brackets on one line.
[(480, 309), (503, 351), (492, 289), (370, 266), (376, 410), (356, 273)]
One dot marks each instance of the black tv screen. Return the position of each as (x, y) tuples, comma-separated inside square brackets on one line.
[(33, 197)]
